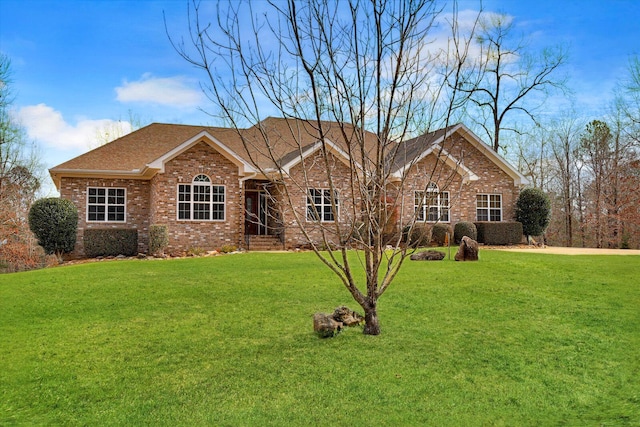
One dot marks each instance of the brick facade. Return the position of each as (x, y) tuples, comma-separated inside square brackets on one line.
[(152, 199), (137, 207), (492, 180), (315, 177), (184, 235), (155, 202)]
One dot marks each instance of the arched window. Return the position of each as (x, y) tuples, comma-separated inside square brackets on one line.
[(201, 201), (432, 205)]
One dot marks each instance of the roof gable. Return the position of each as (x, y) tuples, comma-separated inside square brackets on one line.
[(296, 158), (204, 136), (418, 148)]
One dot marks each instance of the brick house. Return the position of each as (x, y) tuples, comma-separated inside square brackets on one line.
[(215, 186)]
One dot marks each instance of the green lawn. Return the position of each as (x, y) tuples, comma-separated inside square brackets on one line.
[(514, 339)]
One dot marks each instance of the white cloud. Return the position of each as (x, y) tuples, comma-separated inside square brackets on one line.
[(172, 91), (48, 127)]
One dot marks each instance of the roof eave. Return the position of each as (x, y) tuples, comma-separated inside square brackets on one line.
[(58, 174)]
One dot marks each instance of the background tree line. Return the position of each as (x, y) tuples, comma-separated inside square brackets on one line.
[(590, 167)]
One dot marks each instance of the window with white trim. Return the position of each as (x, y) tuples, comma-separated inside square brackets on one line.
[(106, 204), (432, 205), (319, 205), (201, 200), (489, 207)]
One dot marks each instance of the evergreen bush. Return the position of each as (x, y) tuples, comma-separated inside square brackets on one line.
[(420, 235), (464, 228), (54, 222), (110, 242), (499, 233), (158, 239), (533, 210), (439, 233)]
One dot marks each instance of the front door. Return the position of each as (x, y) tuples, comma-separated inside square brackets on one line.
[(255, 213)]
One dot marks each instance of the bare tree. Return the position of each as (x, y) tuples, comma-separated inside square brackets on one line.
[(510, 77), (354, 78), (20, 171), (19, 163)]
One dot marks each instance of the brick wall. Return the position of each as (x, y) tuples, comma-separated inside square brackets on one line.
[(207, 235), (316, 177), (155, 201), (492, 180), (137, 207)]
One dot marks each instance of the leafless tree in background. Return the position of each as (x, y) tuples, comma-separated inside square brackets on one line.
[(510, 79)]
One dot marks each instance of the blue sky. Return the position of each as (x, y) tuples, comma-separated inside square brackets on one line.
[(80, 66)]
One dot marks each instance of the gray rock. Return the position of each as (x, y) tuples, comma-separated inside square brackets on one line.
[(325, 325), (428, 256)]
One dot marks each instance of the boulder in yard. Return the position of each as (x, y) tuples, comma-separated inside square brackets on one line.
[(468, 250), (325, 325), (428, 256), (347, 317)]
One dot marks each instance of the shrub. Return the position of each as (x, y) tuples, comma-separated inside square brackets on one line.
[(420, 235), (499, 233), (110, 242), (226, 249), (158, 239), (533, 210), (54, 222), (439, 233), (464, 228), (196, 251), (624, 244)]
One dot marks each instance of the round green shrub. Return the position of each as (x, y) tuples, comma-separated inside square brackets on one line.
[(465, 228), (439, 233), (54, 222), (533, 210), (420, 235)]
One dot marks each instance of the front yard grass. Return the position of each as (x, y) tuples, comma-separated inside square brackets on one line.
[(515, 339)]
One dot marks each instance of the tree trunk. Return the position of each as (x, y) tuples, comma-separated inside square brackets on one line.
[(372, 325)]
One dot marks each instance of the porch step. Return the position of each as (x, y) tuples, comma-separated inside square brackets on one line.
[(264, 243)]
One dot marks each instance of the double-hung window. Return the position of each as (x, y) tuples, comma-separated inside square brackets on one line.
[(201, 201), (319, 205), (432, 205), (489, 207), (106, 204)]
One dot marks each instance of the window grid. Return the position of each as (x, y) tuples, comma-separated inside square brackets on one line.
[(489, 207), (432, 205), (106, 204), (201, 201), (319, 205)]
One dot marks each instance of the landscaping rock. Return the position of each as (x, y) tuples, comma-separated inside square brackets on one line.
[(347, 317), (428, 256), (325, 325), (468, 250), (329, 325)]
